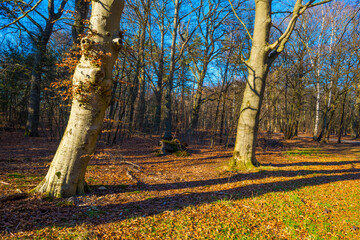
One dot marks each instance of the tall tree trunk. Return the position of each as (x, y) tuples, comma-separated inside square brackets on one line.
[(244, 151), (355, 123), (40, 42), (160, 70), (262, 56), (141, 107), (341, 125), (33, 117), (93, 82), (159, 87), (169, 83), (198, 99)]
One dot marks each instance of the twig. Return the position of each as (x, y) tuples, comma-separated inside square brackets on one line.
[(137, 167), (132, 177)]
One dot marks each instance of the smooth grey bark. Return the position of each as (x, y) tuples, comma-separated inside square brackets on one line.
[(258, 65), (317, 76), (93, 82), (262, 55)]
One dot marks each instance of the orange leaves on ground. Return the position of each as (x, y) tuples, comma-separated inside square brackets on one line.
[(307, 192)]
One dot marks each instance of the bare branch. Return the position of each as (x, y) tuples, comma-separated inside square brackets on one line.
[(247, 31), (21, 17)]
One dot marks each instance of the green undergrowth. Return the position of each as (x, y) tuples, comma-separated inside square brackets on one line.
[(306, 152)]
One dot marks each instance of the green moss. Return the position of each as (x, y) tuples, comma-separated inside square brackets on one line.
[(306, 152), (235, 165), (47, 197), (175, 144), (16, 175), (181, 153), (65, 204)]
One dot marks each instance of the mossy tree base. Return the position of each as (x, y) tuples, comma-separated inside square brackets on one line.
[(240, 163), (172, 146)]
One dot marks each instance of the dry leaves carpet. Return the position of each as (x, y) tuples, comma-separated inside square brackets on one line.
[(303, 190)]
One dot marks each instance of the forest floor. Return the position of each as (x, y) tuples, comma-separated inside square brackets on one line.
[(304, 190)]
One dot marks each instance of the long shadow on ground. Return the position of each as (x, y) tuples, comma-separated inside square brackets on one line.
[(44, 213)]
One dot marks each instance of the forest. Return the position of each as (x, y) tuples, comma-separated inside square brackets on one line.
[(179, 119)]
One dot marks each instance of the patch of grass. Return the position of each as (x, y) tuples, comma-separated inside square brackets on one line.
[(134, 192), (16, 175), (92, 180), (47, 197), (158, 154), (94, 212), (181, 154), (296, 199), (306, 152), (65, 204), (92, 167)]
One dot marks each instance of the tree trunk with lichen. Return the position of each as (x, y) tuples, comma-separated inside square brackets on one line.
[(92, 84)]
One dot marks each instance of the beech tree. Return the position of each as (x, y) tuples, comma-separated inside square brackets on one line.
[(92, 83), (262, 55)]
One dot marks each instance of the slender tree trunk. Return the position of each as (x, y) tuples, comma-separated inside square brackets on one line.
[(93, 82), (160, 72), (169, 83), (141, 107), (198, 99), (355, 123), (40, 42), (222, 121), (159, 88), (341, 125), (34, 101)]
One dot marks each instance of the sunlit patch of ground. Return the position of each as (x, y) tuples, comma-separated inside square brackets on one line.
[(304, 190)]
